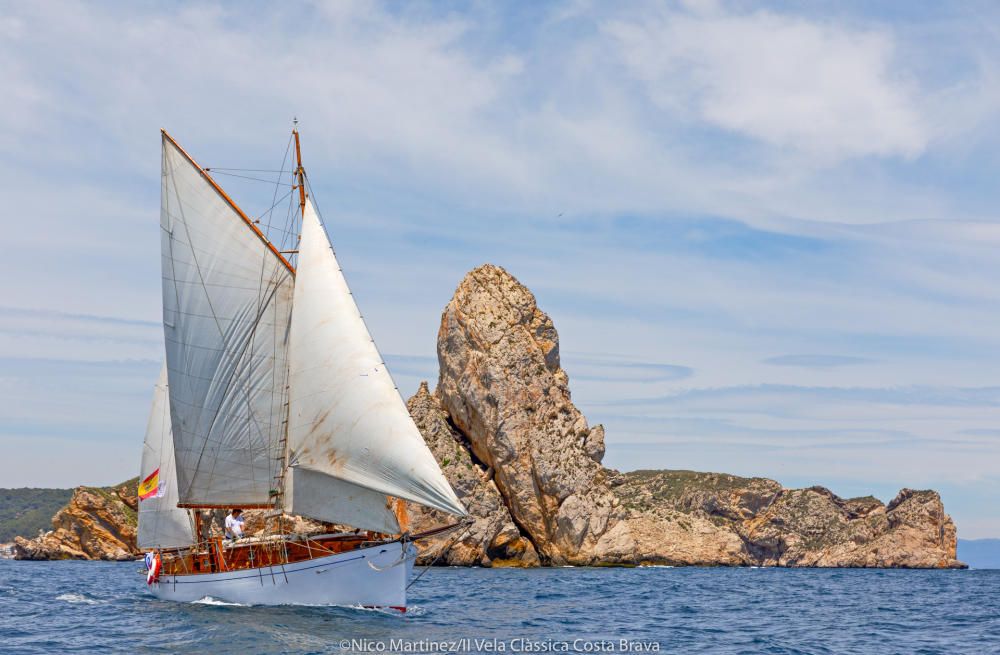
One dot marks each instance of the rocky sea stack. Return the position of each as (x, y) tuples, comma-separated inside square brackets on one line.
[(527, 465)]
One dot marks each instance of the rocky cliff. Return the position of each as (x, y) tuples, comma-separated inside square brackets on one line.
[(526, 463), (724, 519), (97, 523)]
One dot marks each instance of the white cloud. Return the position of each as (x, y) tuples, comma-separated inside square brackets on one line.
[(819, 88), (439, 141), (415, 101)]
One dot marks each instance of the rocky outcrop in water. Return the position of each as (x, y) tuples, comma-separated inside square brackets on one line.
[(527, 464), (97, 523), (761, 523), (504, 391), (493, 539)]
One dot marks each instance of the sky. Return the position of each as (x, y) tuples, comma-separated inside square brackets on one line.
[(766, 232)]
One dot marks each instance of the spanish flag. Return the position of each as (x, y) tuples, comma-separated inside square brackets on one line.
[(150, 486)]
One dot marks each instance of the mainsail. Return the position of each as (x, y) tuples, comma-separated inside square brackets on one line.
[(268, 404), (161, 523), (226, 306), (347, 421)]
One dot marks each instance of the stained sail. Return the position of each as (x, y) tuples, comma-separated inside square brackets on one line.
[(326, 498), (226, 306), (347, 421), (161, 523)]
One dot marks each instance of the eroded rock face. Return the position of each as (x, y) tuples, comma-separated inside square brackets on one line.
[(493, 539), (101, 524), (503, 388), (526, 464), (97, 523), (774, 526), (507, 435)]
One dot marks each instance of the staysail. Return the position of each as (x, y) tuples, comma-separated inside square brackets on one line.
[(347, 423), (227, 299), (161, 523)]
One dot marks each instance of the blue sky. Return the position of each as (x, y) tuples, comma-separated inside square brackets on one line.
[(766, 233)]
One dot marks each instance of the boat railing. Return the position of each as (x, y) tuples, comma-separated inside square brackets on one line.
[(217, 555)]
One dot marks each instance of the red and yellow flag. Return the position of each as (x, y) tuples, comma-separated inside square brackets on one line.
[(149, 486)]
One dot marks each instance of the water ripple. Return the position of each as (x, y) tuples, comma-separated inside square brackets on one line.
[(57, 607)]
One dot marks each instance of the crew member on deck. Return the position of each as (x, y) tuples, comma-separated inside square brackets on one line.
[(234, 524)]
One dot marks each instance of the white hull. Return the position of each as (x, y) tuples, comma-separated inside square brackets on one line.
[(369, 577)]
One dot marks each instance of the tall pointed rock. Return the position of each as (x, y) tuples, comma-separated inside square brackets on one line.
[(502, 385)]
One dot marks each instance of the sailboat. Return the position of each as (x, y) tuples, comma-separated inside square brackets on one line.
[(273, 397)]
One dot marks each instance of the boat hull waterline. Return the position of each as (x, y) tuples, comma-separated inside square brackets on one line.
[(375, 576)]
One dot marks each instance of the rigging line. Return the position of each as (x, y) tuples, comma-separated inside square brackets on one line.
[(272, 473), (443, 551), (286, 230), (289, 222), (270, 209), (284, 159), (255, 179), (212, 169), (278, 472), (284, 410)]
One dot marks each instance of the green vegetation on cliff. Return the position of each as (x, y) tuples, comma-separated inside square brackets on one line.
[(23, 512)]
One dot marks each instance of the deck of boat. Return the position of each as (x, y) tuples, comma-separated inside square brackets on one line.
[(218, 555)]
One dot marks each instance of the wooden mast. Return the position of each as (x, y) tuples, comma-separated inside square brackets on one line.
[(299, 171)]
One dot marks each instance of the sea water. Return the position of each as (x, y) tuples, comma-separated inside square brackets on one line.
[(101, 607)]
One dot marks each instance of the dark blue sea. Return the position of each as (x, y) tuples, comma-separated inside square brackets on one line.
[(96, 607)]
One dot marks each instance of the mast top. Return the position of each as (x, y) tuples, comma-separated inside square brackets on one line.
[(300, 172)]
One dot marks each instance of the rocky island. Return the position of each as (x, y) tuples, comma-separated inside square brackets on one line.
[(526, 463)]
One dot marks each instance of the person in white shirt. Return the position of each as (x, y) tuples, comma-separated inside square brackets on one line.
[(234, 524)]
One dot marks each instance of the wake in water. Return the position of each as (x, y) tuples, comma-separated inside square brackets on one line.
[(208, 600), (79, 599)]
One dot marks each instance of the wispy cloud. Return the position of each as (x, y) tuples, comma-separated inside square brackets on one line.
[(780, 219), (622, 368), (816, 361), (925, 396), (823, 89)]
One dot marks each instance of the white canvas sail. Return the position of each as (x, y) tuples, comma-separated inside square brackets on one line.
[(325, 498), (226, 306), (161, 523), (347, 421)]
